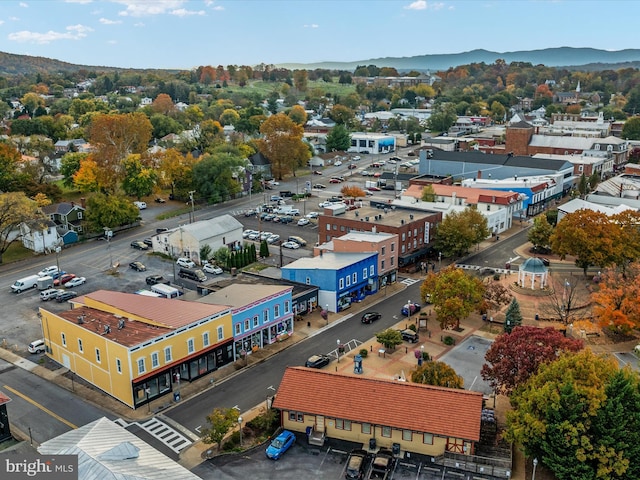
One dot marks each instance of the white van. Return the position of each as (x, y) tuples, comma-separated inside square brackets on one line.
[(25, 283), (49, 294), (165, 290)]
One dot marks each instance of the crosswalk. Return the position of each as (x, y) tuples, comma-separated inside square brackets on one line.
[(409, 281), (161, 431)]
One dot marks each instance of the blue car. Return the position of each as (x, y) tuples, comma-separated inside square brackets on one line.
[(410, 309), (280, 444)]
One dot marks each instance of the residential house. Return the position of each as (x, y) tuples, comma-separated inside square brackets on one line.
[(343, 278), (187, 240), (66, 146), (385, 244), (261, 315), (40, 237), (359, 409), (138, 348), (68, 217), (261, 164), (107, 450)]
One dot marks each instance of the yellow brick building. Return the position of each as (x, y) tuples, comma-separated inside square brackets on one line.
[(138, 348)]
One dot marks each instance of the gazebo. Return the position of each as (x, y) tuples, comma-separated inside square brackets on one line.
[(532, 269)]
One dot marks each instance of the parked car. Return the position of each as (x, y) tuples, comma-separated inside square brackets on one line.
[(155, 279), (374, 189), (318, 361), (356, 465), (57, 274), (265, 235), (335, 180), (75, 282), (37, 346), (545, 261), (319, 186), (312, 215), (138, 245), (337, 163), (62, 279), (291, 245), (273, 238), (148, 242), (138, 266), (303, 221), (160, 200), (246, 233), (140, 205), (48, 271), (50, 294), (208, 268), (371, 317), (317, 172), (280, 444), (410, 308), (352, 166), (409, 335), (64, 296), (185, 262), (356, 158), (161, 230), (254, 236)]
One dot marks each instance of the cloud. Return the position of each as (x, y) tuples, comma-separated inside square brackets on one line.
[(218, 8), (23, 5), (106, 21), (112, 42), (312, 25), (183, 12), (83, 2), (211, 3), (417, 5), (74, 32), (145, 8)]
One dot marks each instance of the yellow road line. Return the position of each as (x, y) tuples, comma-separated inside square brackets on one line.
[(41, 407)]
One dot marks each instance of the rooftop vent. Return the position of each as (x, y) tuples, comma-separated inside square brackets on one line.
[(107, 329)]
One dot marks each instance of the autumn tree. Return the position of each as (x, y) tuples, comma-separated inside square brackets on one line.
[(16, 208), (341, 114), (220, 421), (494, 297), (628, 221), (338, 139), (115, 137), (69, 165), (139, 178), (454, 295), (437, 373), (109, 211), (428, 194), (459, 231), (282, 144), (298, 115), (163, 104), (301, 80), (352, 191), (560, 413), (616, 304), (540, 233), (10, 159), (588, 235), (85, 178)]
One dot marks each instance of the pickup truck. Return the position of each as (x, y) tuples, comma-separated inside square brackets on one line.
[(382, 465)]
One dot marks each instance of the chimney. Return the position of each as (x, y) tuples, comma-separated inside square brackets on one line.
[(83, 202), (479, 174)]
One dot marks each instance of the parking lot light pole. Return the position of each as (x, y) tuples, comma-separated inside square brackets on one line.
[(338, 350), (240, 424), (535, 464)]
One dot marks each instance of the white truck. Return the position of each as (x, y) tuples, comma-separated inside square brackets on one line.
[(165, 290), (283, 209), (25, 283), (45, 283)]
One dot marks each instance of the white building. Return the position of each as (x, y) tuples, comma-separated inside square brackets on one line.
[(373, 143), (40, 237)]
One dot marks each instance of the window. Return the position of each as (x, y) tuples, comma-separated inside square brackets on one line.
[(276, 311), (393, 247), (220, 333), (246, 324), (80, 347), (328, 227), (190, 346), (296, 416), (386, 432), (382, 265), (118, 365), (141, 368), (287, 307), (307, 281), (354, 278), (392, 263), (79, 215), (265, 316), (64, 339), (155, 361), (427, 438), (404, 236), (488, 208), (167, 354), (383, 250), (205, 339), (407, 435), (238, 329), (364, 273), (341, 284), (348, 281), (256, 320), (98, 355), (343, 424), (372, 271), (366, 428)]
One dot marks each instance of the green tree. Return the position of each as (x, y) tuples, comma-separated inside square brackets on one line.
[(437, 373), (16, 208), (341, 115), (139, 179), (220, 421), (298, 115), (513, 317), (206, 252), (428, 194), (389, 338), (631, 129), (443, 118), (338, 139), (540, 233), (454, 295), (222, 255), (459, 231), (301, 80), (109, 211), (264, 249), (215, 176)]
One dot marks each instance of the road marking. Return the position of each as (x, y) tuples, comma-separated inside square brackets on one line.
[(41, 407), (409, 281), (197, 429)]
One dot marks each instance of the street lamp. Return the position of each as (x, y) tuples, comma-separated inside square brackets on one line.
[(108, 233), (240, 424), (326, 310), (338, 350), (439, 259), (58, 250), (535, 464)]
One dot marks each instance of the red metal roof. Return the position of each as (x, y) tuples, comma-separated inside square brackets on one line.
[(402, 405)]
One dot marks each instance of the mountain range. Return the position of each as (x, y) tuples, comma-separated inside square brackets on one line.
[(586, 59)]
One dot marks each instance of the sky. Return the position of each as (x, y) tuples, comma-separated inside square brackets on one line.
[(185, 34)]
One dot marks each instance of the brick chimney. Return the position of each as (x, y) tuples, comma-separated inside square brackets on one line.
[(479, 175)]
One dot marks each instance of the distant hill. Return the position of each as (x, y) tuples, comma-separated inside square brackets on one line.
[(563, 57)]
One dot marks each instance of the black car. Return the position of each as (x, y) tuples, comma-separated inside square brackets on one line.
[(64, 296), (371, 317), (148, 242), (545, 261), (356, 465), (138, 266), (409, 335), (154, 279), (318, 361), (138, 245)]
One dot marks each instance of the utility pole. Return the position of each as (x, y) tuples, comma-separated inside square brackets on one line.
[(193, 213)]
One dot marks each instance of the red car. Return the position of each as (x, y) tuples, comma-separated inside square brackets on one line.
[(64, 279), (352, 166), (373, 189), (335, 180), (317, 172)]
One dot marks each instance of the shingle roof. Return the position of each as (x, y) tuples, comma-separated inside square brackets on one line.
[(62, 208), (401, 405)]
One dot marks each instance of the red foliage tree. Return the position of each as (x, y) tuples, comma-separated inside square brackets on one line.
[(514, 357)]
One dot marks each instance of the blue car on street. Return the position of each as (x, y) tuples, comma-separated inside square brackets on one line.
[(280, 444)]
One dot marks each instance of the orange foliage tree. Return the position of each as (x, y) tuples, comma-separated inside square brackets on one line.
[(352, 191), (616, 300), (282, 144)]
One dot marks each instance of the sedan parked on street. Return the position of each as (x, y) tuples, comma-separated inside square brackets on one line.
[(371, 317), (75, 282), (318, 361), (291, 245)]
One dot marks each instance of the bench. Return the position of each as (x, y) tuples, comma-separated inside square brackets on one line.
[(593, 334)]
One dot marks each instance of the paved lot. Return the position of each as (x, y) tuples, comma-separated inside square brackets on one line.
[(467, 360)]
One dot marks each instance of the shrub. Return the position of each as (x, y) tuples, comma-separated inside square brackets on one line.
[(448, 340), (413, 327), (496, 276), (363, 352), (232, 443)]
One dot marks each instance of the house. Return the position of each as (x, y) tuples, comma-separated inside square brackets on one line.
[(260, 315), (67, 216), (414, 416), (40, 237), (261, 164), (342, 278), (187, 240), (385, 244), (138, 348), (106, 450), (66, 146)]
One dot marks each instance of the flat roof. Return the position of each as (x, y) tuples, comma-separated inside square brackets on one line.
[(239, 295), (329, 261)]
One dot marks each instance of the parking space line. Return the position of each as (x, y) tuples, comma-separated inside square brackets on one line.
[(41, 407)]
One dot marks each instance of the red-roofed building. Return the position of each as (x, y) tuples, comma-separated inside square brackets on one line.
[(137, 348), (357, 409), (5, 430)]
